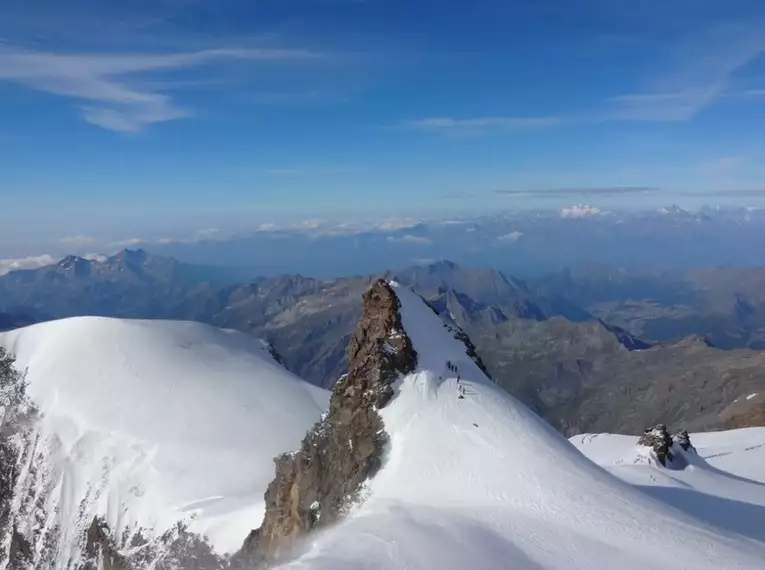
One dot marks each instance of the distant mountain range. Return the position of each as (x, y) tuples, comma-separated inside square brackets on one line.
[(724, 304), (521, 243), (14, 321), (130, 444), (591, 348)]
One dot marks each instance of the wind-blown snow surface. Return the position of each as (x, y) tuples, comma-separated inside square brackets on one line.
[(148, 423), (724, 483), (482, 483)]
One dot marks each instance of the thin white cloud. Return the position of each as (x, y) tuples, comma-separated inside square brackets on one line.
[(700, 69), (726, 163), (511, 237), (408, 238), (99, 257), (32, 262), (580, 191), (690, 74), (129, 242), (479, 124), (76, 240), (283, 171), (750, 93), (325, 228), (206, 234), (395, 224), (106, 86), (309, 224), (579, 211)]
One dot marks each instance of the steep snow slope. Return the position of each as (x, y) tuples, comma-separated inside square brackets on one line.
[(482, 483), (724, 482), (147, 423)]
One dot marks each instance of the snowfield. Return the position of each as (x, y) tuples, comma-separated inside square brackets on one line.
[(482, 483), (150, 423), (724, 484)]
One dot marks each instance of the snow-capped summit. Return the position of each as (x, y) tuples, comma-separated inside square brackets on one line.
[(450, 472), (156, 434)]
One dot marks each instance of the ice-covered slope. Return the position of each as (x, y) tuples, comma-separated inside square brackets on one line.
[(724, 482), (148, 423), (481, 483)]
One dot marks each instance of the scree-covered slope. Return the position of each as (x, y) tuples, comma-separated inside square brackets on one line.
[(479, 482), (144, 424)]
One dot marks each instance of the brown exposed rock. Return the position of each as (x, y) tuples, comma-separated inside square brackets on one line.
[(317, 484), (751, 416)]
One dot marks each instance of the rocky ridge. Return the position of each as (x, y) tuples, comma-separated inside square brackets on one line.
[(317, 484)]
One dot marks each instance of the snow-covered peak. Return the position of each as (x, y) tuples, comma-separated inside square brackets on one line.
[(474, 479), (146, 424), (579, 211)]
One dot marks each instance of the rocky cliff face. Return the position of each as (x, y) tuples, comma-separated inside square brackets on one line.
[(318, 483)]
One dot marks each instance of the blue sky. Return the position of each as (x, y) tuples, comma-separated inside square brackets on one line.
[(151, 116)]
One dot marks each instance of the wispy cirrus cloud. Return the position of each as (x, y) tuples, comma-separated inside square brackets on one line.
[(199, 236), (736, 193), (511, 237), (130, 242), (307, 170), (108, 88), (478, 125), (689, 73), (408, 238), (699, 69), (598, 191), (726, 163), (76, 240), (753, 93)]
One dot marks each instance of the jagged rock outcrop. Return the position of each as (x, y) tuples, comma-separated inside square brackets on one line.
[(100, 550), (659, 439), (683, 440), (662, 442), (318, 483), (276, 356)]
